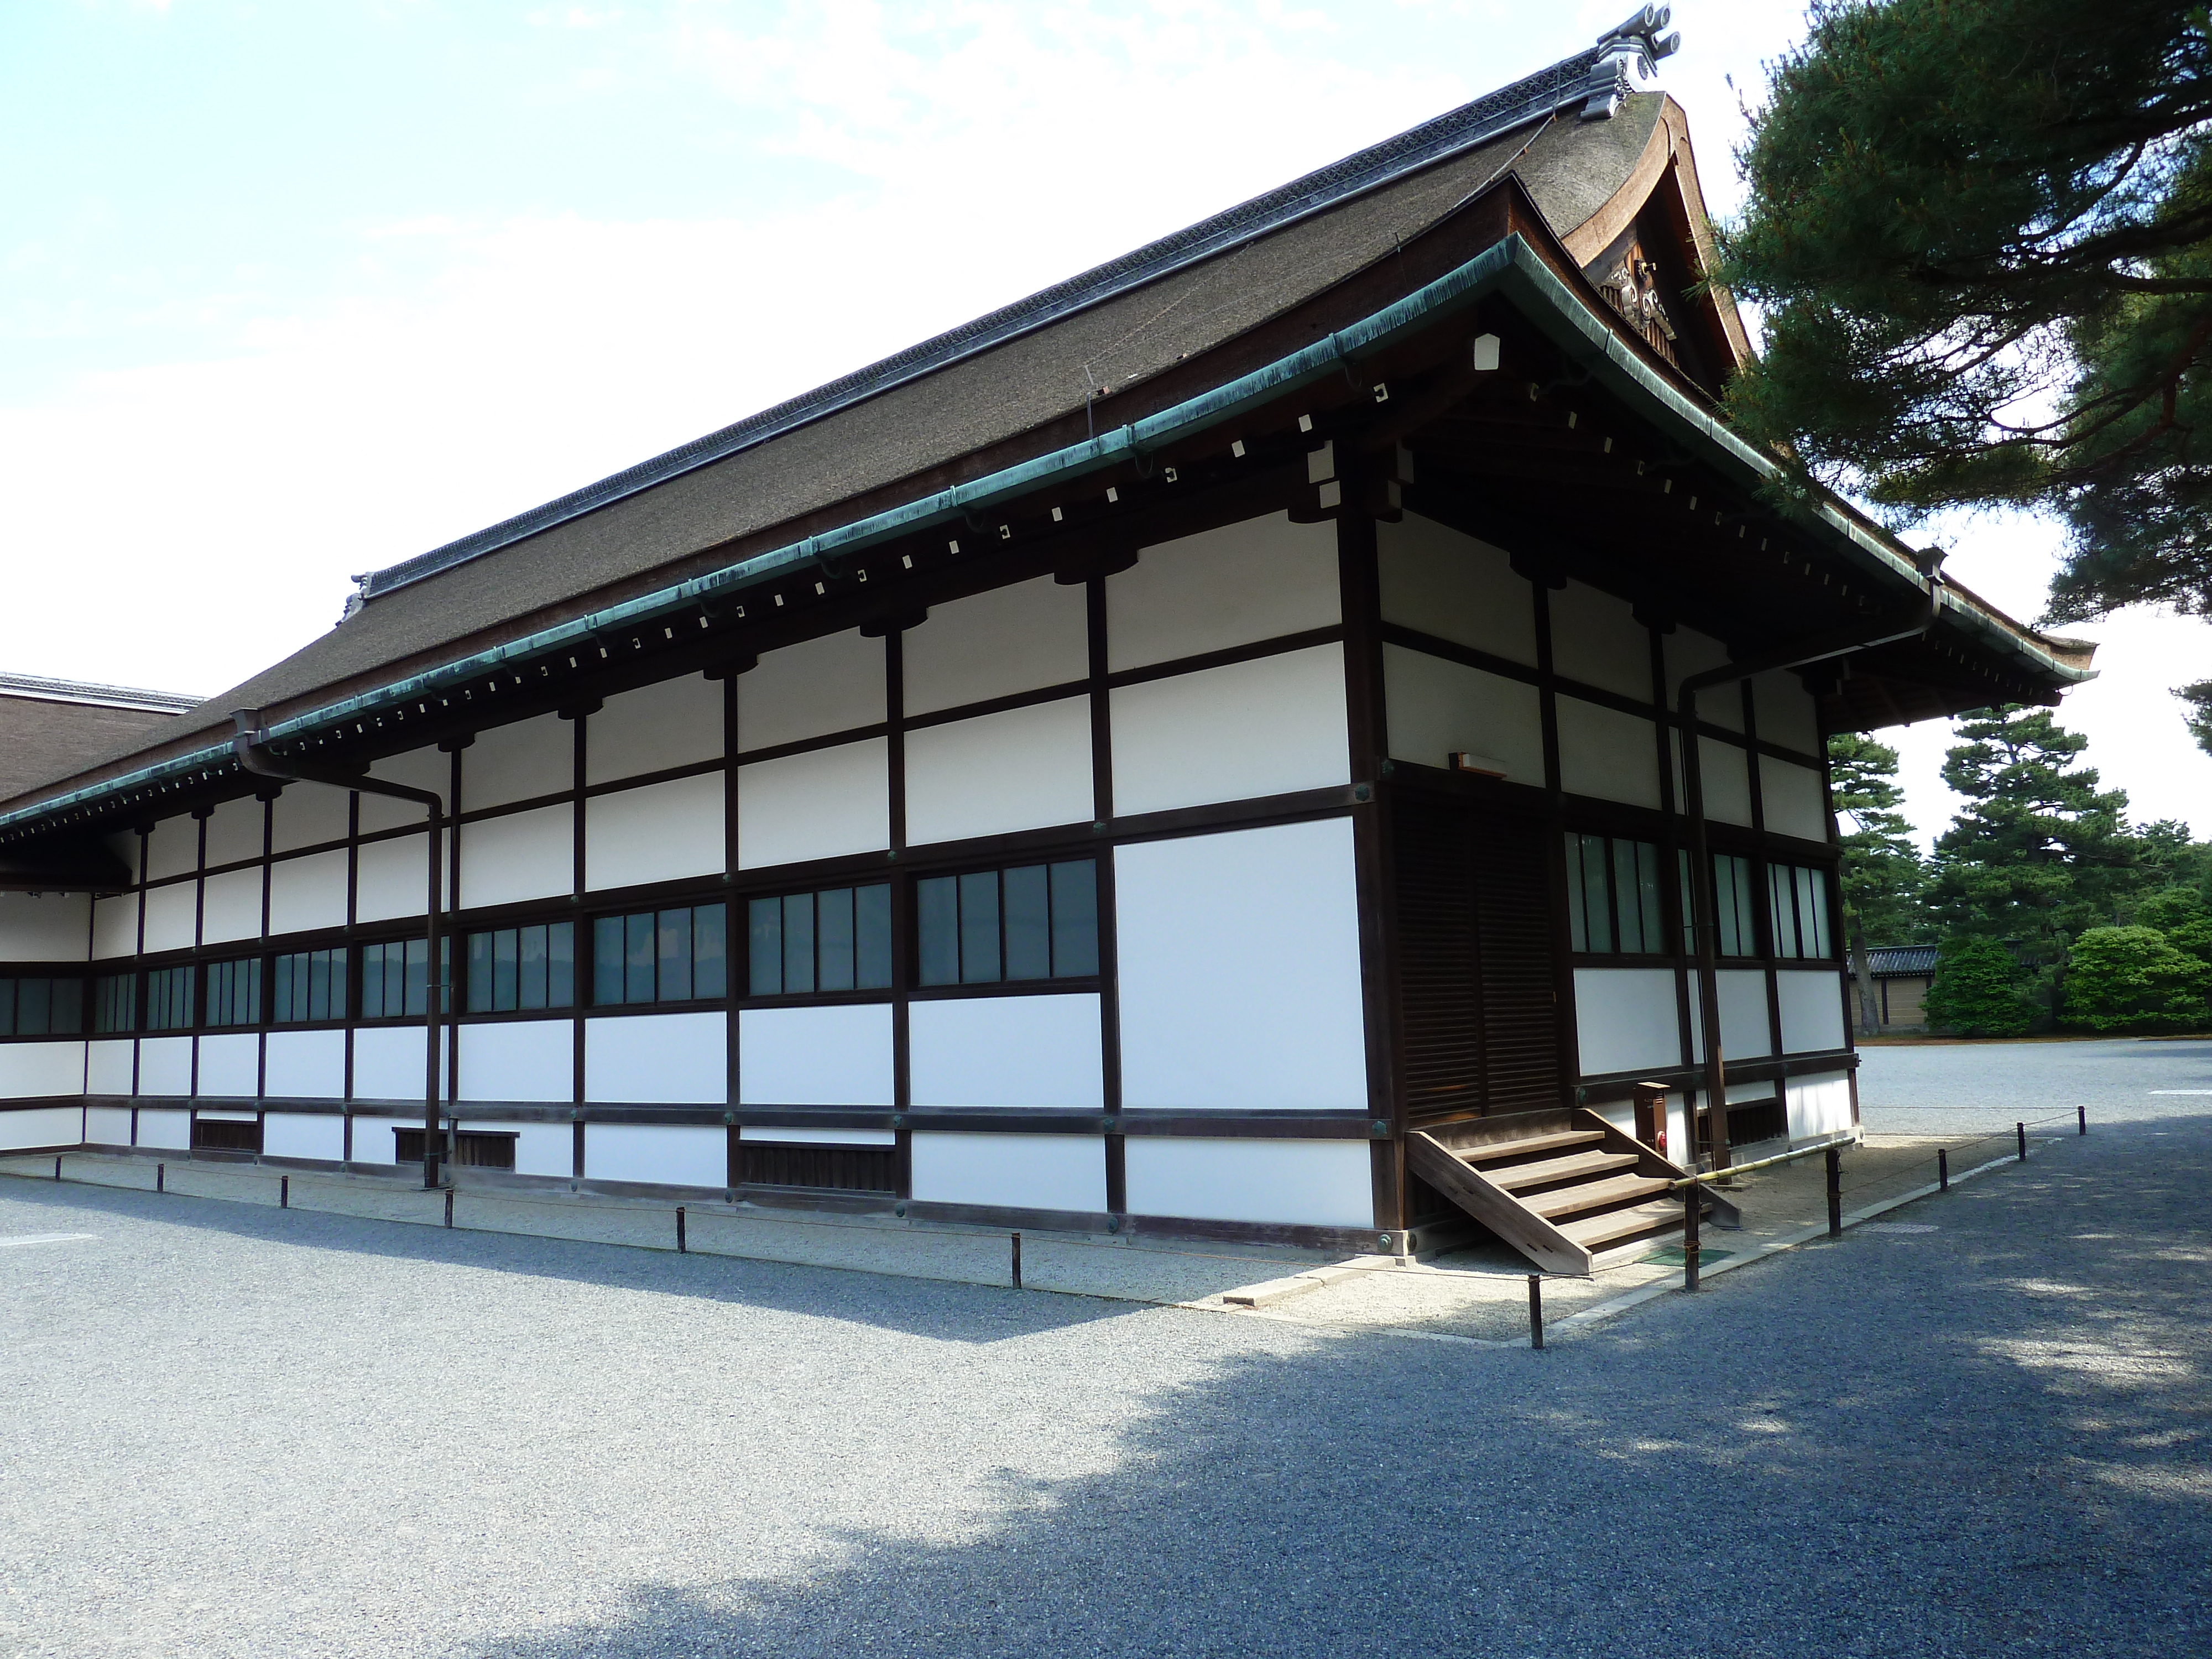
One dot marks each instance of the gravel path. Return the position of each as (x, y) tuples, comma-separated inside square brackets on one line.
[(234, 1430)]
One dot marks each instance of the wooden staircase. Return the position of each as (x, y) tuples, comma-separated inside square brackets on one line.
[(1565, 1188)]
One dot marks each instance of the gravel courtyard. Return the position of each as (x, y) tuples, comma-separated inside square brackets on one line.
[(1978, 1427)]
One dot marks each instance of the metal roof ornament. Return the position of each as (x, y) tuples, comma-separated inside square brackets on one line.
[(1628, 60)]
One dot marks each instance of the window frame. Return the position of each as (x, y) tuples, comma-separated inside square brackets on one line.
[(921, 985)]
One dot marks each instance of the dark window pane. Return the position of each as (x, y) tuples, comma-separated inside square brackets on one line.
[(479, 972), (676, 954), (1689, 904), (33, 1006), (7, 1007), (1647, 898), (1074, 918), (561, 965), (937, 919), (607, 961), (1029, 923), (417, 970), (529, 967), (505, 965), (710, 951), (834, 919), (69, 1007), (1596, 905), (639, 950), (871, 939), (1577, 919), (1628, 912), (283, 1002), (978, 928), (799, 944), (764, 947)]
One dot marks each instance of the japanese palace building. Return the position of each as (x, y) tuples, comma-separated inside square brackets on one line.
[(1277, 736)]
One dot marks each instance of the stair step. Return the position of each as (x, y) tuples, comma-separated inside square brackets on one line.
[(1593, 1231), (1490, 1152), (1521, 1176), (1595, 1196)]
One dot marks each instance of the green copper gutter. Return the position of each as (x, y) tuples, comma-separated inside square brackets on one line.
[(1510, 268)]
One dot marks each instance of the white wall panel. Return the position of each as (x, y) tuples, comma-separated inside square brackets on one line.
[(391, 879), (992, 645), (310, 815), (1024, 1172), (1231, 733), (669, 1059), (1023, 768), (164, 1065), (1240, 982), (310, 1065), (172, 848), (115, 927), (232, 906), (373, 1140), (814, 1056), (1624, 1020), (815, 805), (673, 723), (47, 1125), (523, 855), (307, 892), (1687, 653), (782, 1135), (1596, 639), (1606, 754), (662, 832), (172, 917), (107, 1126), (166, 1128), (1812, 1001), (44, 927), (1437, 707), (1745, 1032), (1456, 588), (30, 1069), (1006, 1051), (230, 1064), (233, 832), (667, 1155), (107, 1065), (419, 768), (1724, 775), (540, 1149), (811, 689), (1818, 1105), (1786, 711), (1795, 801), (303, 1135), (518, 1060), (1313, 1183), (387, 1062), (531, 757), (1242, 583)]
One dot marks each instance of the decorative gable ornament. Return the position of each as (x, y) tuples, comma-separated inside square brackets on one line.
[(1628, 60)]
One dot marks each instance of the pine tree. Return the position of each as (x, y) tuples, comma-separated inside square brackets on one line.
[(1884, 879), (1977, 990), (2198, 699), (2132, 979)]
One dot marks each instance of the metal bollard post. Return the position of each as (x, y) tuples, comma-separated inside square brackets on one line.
[(1694, 1202), (1834, 1159), (2081, 1117), (681, 1248), (2021, 1130), (1943, 1169), (57, 1166), (1017, 1261), (449, 1206), (283, 1192), (160, 1174), (1535, 1310)]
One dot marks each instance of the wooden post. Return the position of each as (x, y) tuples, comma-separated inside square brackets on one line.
[(1943, 1169), (1651, 1116), (1833, 1158), (2021, 1129), (1535, 1310), (681, 1248), (1693, 1200), (1017, 1261)]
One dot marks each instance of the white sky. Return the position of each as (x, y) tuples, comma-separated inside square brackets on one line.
[(289, 291)]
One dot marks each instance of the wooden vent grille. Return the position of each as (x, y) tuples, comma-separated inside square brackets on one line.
[(223, 1134), (1520, 994), (834, 1168), (472, 1149)]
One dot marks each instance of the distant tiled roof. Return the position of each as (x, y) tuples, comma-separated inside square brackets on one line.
[(1882, 959)]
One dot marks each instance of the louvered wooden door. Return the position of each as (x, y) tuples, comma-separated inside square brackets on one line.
[(1476, 987)]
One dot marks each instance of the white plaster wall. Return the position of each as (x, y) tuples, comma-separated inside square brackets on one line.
[(518, 1060), (540, 1149), (1687, 653), (172, 848), (164, 1129), (663, 832), (1812, 1001), (1745, 1033), (115, 927), (28, 1070), (1239, 958), (524, 856), (232, 907), (1314, 1183), (1606, 754), (310, 1065), (1006, 1051), (1234, 585), (1787, 713), (830, 1056), (164, 1065), (42, 1125), (1795, 803), (1818, 1105), (1024, 1172), (1437, 707), (307, 892), (309, 815), (107, 1126), (233, 832), (1724, 774), (303, 1135), (373, 1141), (1456, 588), (172, 917), (669, 1059), (389, 880), (1012, 639), (107, 1065), (1596, 639), (782, 1135), (211, 1115), (668, 1155), (44, 927), (419, 769), (1249, 729), (230, 1064), (531, 757), (673, 723), (811, 689), (387, 1062), (1624, 1020), (1022, 768), (814, 805)]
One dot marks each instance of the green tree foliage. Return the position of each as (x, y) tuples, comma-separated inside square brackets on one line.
[(1884, 880), (2198, 699), (1978, 990), (1981, 232), (2131, 979), (2184, 916)]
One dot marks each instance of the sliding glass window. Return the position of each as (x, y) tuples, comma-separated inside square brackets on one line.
[(679, 955), (512, 969), (1614, 896), (234, 993), (804, 943), (41, 1007), (310, 987), (1798, 900), (1034, 921)]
